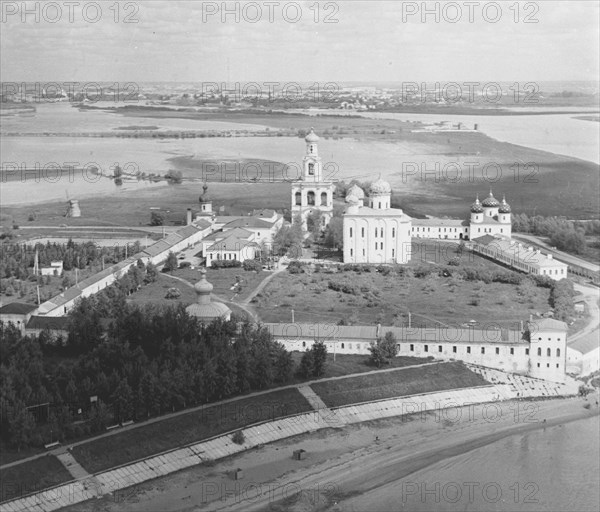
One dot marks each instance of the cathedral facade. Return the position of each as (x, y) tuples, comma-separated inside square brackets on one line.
[(376, 233), (312, 192)]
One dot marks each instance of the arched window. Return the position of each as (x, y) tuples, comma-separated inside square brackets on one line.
[(539, 351), (311, 168), (393, 232), (310, 198), (557, 352), (298, 198), (548, 353), (323, 198), (350, 232)]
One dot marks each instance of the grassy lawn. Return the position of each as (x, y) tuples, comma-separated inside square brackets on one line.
[(154, 293), (346, 364), (224, 279), (410, 381), (388, 299), (32, 476), (187, 428)]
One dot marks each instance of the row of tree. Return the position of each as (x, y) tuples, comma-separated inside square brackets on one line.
[(17, 260)]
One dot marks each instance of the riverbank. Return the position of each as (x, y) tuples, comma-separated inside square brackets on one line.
[(342, 464)]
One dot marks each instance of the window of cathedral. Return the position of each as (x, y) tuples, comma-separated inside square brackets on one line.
[(483, 350), (362, 232), (439, 348), (412, 347), (497, 350), (468, 350), (548, 354), (298, 197), (454, 349), (323, 198), (426, 348), (310, 197), (311, 168), (512, 351), (393, 232), (350, 232), (539, 351)]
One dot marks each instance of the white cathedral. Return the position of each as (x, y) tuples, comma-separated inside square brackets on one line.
[(377, 233)]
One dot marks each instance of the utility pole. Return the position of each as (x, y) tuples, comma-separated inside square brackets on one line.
[(38, 294), (409, 319)]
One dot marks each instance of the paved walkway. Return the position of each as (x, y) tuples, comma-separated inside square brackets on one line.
[(72, 465)]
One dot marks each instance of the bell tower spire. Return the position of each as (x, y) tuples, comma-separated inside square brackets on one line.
[(312, 168)]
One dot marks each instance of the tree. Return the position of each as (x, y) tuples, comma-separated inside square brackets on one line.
[(314, 223), (377, 358), (151, 273), (288, 240), (306, 368), (171, 263), (157, 218), (383, 350), (389, 345), (334, 233), (319, 351)]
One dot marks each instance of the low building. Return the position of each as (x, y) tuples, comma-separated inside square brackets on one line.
[(55, 269), (539, 351), (54, 326), (17, 313), (515, 255), (583, 355), (446, 229)]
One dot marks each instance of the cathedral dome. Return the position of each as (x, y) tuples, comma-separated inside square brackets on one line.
[(380, 187), (355, 191), (352, 199), (312, 136), (476, 206), (205, 198), (504, 207), (490, 201)]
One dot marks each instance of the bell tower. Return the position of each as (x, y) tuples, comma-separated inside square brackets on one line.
[(310, 192), (312, 167)]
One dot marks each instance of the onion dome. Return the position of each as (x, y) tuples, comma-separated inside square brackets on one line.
[(312, 136), (504, 207), (379, 188), (203, 308), (204, 198), (490, 201), (355, 191), (203, 287), (476, 206)]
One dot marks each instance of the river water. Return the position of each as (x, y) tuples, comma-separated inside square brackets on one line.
[(551, 469)]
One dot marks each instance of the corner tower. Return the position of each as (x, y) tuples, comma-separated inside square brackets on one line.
[(311, 192)]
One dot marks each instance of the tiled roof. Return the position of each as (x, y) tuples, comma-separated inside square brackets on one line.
[(231, 243), (57, 323), (547, 324), (17, 308), (249, 222), (587, 343), (365, 211), (440, 222)]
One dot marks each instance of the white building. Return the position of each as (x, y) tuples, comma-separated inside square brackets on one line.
[(55, 269), (516, 255), (489, 216), (312, 192), (583, 356), (538, 352), (376, 233)]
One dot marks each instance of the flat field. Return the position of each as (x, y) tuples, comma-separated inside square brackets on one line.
[(388, 299)]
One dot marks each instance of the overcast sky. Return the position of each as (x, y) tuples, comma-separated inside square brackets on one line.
[(178, 41)]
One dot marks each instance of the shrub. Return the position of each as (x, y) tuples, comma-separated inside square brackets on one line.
[(225, 264), (185, 264), (295, 267), (252, 265), (173, 293), (238, 437)]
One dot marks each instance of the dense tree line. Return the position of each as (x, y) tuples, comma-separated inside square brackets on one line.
[(17, 260), (144, 362), (566, 235)]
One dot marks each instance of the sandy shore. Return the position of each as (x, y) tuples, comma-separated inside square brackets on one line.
[(341, 464)]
